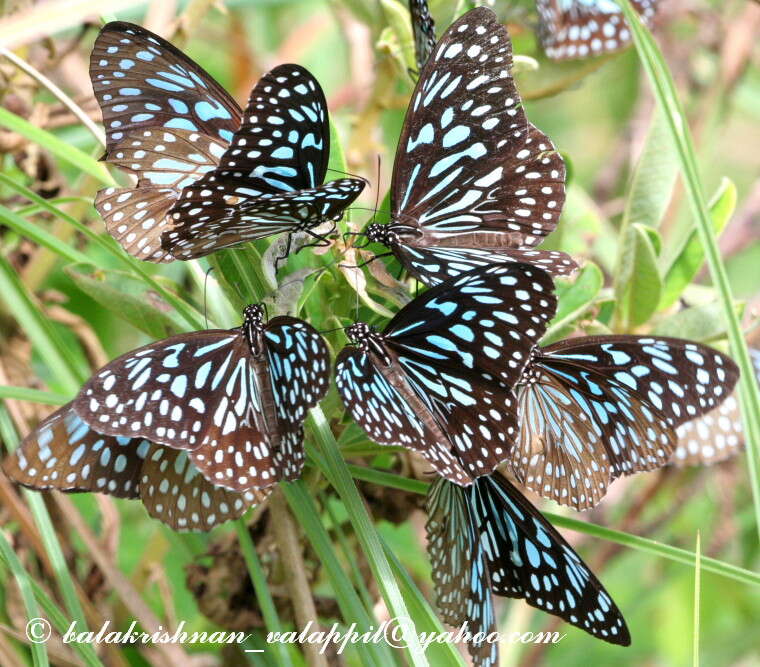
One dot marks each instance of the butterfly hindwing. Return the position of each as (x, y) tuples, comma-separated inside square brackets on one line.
[(458, 565), (64, 453), (423, 29), (595, 408), (583, 28)]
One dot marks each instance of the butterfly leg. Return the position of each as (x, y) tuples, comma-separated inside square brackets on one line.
[(322, 240), (369, 261), (285, 254)]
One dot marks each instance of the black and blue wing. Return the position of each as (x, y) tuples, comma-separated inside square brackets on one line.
[(459, 570), (528, 559), (595, 408), (423, 30), (299, 371)]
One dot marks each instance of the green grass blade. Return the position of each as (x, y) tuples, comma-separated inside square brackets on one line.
[(339, 476), (39, 651), (56, 146), (697, 586), (33, 395), (351, 606), (263, 596), (667, 98)]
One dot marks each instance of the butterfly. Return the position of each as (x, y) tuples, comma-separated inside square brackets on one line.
[(717, 435), (438, 380), (66, 454), (209, 175), (582, 28), (594, 408), (234, 399), (474, 183), (488, 539), (423, 29)]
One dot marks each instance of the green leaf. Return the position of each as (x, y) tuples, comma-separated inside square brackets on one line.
[(700, 323), (682, 269), (637, 284), (238, 271), (653, 178), (575, 300), (129, 298), (400, 25), (56, 146)]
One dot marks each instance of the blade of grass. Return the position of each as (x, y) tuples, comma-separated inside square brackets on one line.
[(670, 104), (33, 395), (39, 652), (264, 597), (697, 585), (351, 606), (339, 476), (47, 533), (56, 146), (193, 319)]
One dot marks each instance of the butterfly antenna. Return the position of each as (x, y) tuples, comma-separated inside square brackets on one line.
[(205, 295), (377, 189), (349, 174)]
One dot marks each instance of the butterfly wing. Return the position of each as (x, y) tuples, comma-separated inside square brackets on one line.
[(385, 414), (528, 559), (464, 110), (64, 453), (458, 566), (204, 221), (141, 81), (165, 161), (175, 492), (299, 370), (423, 29), (596, 408), (194, 391), (583, 28), (716, 436)]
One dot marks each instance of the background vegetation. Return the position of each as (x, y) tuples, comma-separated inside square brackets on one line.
[(70, 300)]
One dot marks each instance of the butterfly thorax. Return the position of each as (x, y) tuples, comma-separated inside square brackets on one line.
[(390, 234), (369, 341), (532, 372), (253, 328)]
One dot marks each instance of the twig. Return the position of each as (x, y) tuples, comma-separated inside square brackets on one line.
[(298, 586)]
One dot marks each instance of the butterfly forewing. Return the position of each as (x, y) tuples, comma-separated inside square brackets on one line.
[(175, 492), (458, 566), (64, 453), (284, 140), (583, 28), (423, 29), (593, 409), (142, 81), (206, 220), (386, 416), (527, 558), (463, 112)]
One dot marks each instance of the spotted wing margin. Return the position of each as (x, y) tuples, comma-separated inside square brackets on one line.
[(175, 492), (207, 220), (299, 371), (142, 81), (587, 28), (605, 406), (283, 143), (423, 29), (386, 416), (458, 567), (464, 113), (165, 161), (64, 453), (717, 435), (433, 265), (528, 559)]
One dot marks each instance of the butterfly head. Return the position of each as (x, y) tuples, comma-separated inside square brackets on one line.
[(368, 340), (253, 327)]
